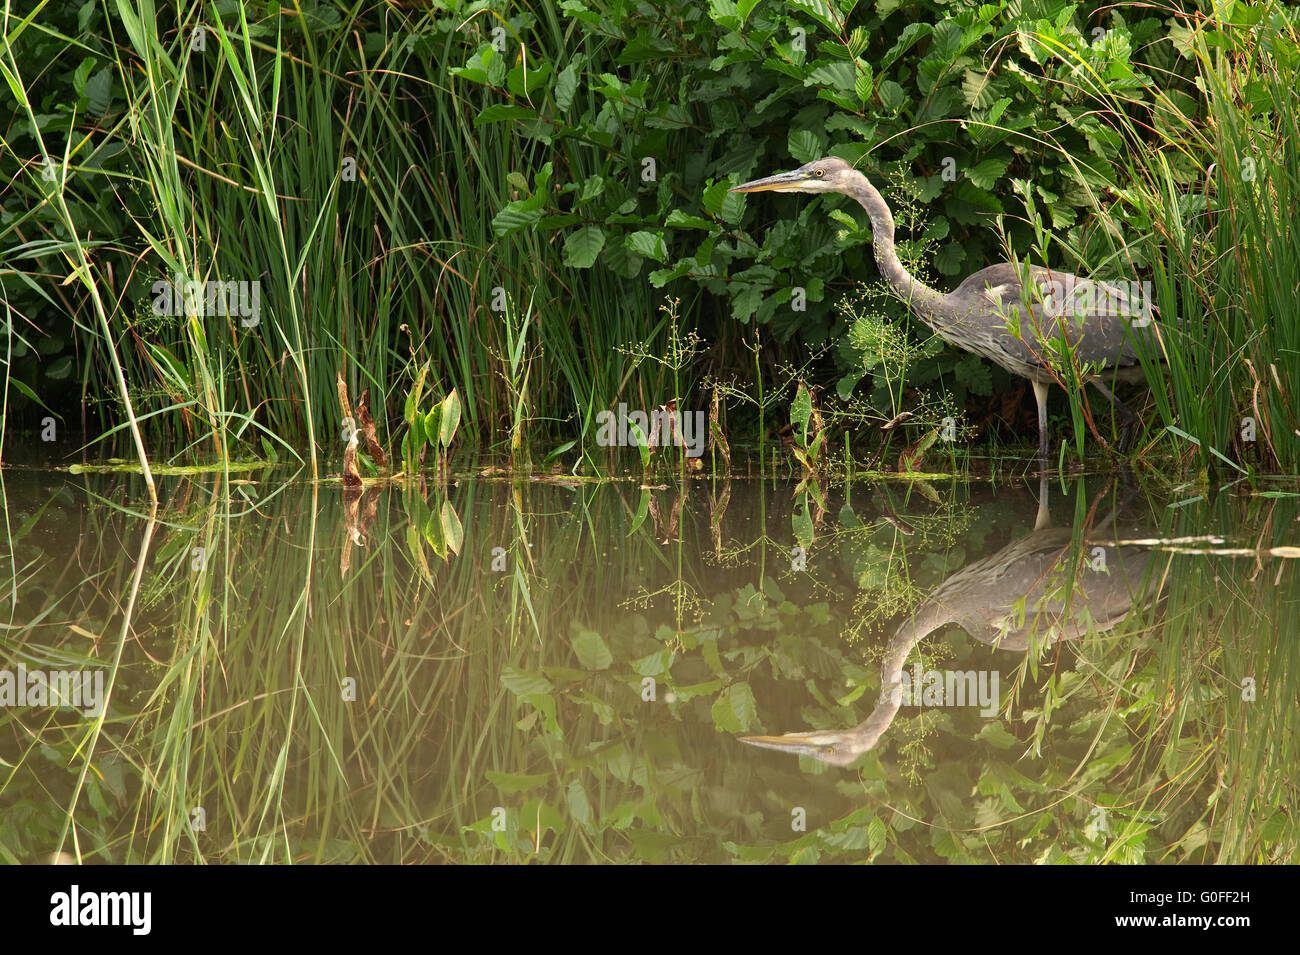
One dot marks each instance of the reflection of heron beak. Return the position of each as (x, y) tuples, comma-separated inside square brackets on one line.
[(781, 182), (801, 744)]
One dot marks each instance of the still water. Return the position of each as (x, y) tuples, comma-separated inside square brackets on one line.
[(703, 671)]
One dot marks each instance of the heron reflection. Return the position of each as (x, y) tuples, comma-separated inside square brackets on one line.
[(1039, 589)]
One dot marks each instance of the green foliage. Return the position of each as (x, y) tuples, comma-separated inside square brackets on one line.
[(395, 177), (809, 433), (435, 428), (772, 85)]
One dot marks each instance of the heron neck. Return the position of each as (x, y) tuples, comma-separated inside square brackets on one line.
[(928, 618), (925, 300)]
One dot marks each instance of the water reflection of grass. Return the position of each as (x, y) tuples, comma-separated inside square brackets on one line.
[(523, 710)]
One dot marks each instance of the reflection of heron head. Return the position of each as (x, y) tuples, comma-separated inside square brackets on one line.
[(820, 175), (837, 747)]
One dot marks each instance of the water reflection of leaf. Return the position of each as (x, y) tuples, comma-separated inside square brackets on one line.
[(543, 706), (507, 783), (416, 549), (604, 711), (579, 804), (653, 664), (803, 525), (734, 709), (593, 653), (452, 531), (642, 511), (522, 683), (433, 533)]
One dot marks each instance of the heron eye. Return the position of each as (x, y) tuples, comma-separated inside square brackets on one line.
[(819, 173)]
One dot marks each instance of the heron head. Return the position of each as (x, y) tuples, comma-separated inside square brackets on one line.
[(837, 747), (820, 175)]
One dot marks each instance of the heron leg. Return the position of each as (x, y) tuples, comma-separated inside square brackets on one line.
[(1126, 417), (1043, 519), (1040, 395)]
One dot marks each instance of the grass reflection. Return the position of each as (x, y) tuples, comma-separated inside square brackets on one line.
[(308, 677)]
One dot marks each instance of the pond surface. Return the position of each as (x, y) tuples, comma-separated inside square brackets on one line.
[(518, 670)]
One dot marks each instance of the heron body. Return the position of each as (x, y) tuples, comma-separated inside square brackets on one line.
[(1008, 314)]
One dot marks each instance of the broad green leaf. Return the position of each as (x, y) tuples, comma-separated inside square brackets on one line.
[(82, 73), (415, 547), (996, 735), (876, 834), (556, 452), (417, 436), (745, 302), (640, 440), (566, 85), (661, 277), (582, 246), (98, 91), (501, 112), (805, 146), (801, 410), (642, 511), (892, 96), (649, 244), (911, 33), (653, 664), (987, 173), (727, 206), (450, 418), (725, 14), (592, 651), (430, 423), (544, 704), (682, 220), (515, 217), (823, 11), (840, 76), (864, 84)]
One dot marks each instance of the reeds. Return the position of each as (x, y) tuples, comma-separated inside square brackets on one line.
[(1211, 191), (347, 168)]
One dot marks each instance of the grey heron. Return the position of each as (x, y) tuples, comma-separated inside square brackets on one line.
[(1094, 316)]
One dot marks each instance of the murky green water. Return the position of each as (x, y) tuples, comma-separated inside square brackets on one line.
[(295, 676)]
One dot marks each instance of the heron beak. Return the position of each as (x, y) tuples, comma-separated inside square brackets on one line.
[(781, 182), (834, 747), (787, 743), (800, 744)]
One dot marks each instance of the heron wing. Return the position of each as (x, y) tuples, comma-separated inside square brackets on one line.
[(1103, 320)]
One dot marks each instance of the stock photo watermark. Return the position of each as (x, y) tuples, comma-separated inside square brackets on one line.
[(81, 689), (660, 427), (76, 907), (1071, 295), (182, 296), (921, 687)]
